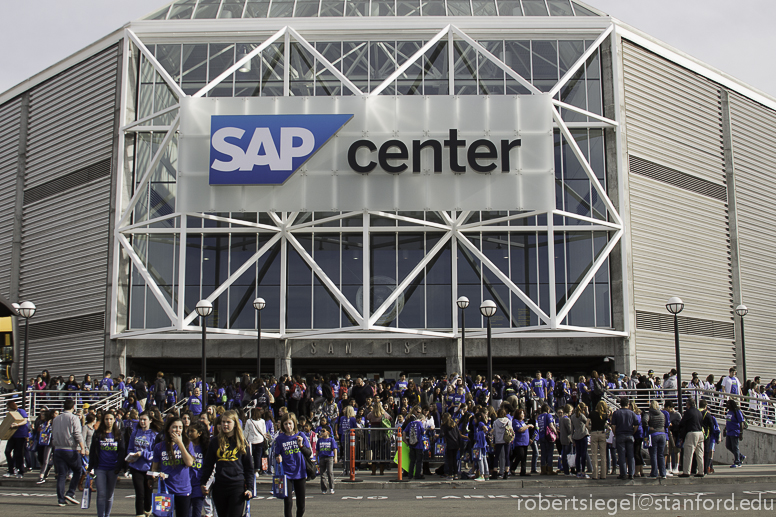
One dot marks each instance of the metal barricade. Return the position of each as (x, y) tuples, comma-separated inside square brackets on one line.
[(374, 445)]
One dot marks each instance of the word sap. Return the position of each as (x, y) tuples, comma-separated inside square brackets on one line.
[(266, 149)]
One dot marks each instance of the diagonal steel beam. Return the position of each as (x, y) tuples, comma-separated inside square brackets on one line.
[(176, 90), (409, 279), (157, 292), (237, 274), (232, 69), (325, 280), (582, 111), (581, 61), (325, 62)]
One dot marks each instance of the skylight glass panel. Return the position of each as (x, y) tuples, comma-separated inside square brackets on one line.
[(407, 7), (207, 9), (332, 7), (432, 7), (182, 10), (535, 8), (560, 8), (256, 8), (509, 8), (581, 10), (306, 9), (232, 9), (484, 7), (459, 8), (281, 9)]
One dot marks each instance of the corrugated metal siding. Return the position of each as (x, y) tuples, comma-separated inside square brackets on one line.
[(754, 156), (679, 238), (9, 147), (71, 119), (64, 260), (674, 116), (76, 354)]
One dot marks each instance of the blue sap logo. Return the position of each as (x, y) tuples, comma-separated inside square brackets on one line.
[(266, 149)]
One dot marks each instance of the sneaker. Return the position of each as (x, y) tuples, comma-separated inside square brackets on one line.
[(479, 479), (743, 459), (71, 499), (62, 504), (40, 481), (324, 492), (19, 476), (735, 466), (8, 475), (331, 491), (683, 475)]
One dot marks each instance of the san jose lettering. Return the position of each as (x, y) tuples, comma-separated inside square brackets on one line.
[(392, 156)]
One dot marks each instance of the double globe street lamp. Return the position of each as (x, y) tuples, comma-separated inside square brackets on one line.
[(259, 305), (463, 303), (742, 311), (488, 309), (204, 309), (26, 310), (675, 306)]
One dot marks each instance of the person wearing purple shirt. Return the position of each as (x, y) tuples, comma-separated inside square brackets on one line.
[(199, 435), (17, 441), (106, 459), (173, 457), (291, 449), (195, 403), (140, 452)]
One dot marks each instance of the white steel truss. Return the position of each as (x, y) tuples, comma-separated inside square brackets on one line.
[(284, 229)]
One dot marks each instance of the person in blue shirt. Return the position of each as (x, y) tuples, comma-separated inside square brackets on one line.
[(734, 422), (546, 421), (412, 431), (624, 424), (199, 435), (195, 403), (14, 449), (140, 452), (539, 387), (106, 459), (291, 449), (327, 457), (173, 457), (550, 382), (106, 384), (480, 447), (172, 395)]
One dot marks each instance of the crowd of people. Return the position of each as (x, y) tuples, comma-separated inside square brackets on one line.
[(212, 442)]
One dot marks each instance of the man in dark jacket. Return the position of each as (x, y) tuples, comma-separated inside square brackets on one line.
[(691, 431), (624, 424)]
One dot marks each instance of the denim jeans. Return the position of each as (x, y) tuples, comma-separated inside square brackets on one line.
[(731, 443), (581, 446), (64, 462), (657, 455), (565, 458), (547, 448), (625, 454), (105, 481), (534, 455)]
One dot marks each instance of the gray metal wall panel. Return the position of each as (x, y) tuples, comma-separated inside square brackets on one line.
[(65, 252), (673, 115), (679, 238), (754, 159), (10, 115), (71, 119), (76, 354)]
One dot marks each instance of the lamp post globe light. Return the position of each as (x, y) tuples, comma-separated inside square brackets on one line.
[(26, 310), (259, 305), (675, 306), (742, 311), (488, 309), (204, 309), (463, 303)]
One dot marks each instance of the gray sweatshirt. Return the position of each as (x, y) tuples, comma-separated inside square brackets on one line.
[(66, 431)]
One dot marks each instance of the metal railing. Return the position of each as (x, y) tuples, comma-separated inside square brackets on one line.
[(46, 399), (759, 412)]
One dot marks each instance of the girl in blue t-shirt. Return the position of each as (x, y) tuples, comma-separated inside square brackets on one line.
[(173, 457), (480, 448), (199, 435), (291, 449), (106, 459)]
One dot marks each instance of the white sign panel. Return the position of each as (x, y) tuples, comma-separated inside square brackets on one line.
[(385, 153)]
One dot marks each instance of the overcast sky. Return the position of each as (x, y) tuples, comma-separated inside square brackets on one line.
[(737, 37)]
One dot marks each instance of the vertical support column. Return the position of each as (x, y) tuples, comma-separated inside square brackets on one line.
[(18, 213), (286, 62), (365, 271), (114, 351), (454, 257), (282, 357), (283, 277), (551, 269), (735, 264), (616, 149), (450, 63)]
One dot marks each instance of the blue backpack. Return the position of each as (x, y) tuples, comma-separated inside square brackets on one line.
[(715, 431)]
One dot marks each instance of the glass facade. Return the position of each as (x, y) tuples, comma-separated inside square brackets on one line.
[(398, 270), (232, 9)]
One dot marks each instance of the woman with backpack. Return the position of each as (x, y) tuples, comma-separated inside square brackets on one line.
[(296, 394), (734, 427), (548, 433), (502, 438)]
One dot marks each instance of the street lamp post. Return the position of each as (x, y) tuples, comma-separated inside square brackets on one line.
[(204, 308), (675, 306), (258, 304), (463, 303), (488, 309), (742, 311), (26, 310)]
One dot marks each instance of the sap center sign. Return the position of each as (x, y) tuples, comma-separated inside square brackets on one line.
[(372, 152)]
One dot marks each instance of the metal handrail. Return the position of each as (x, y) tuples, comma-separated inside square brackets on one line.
[(5, 398), (757, 411), (55, 399), (177, 405)]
